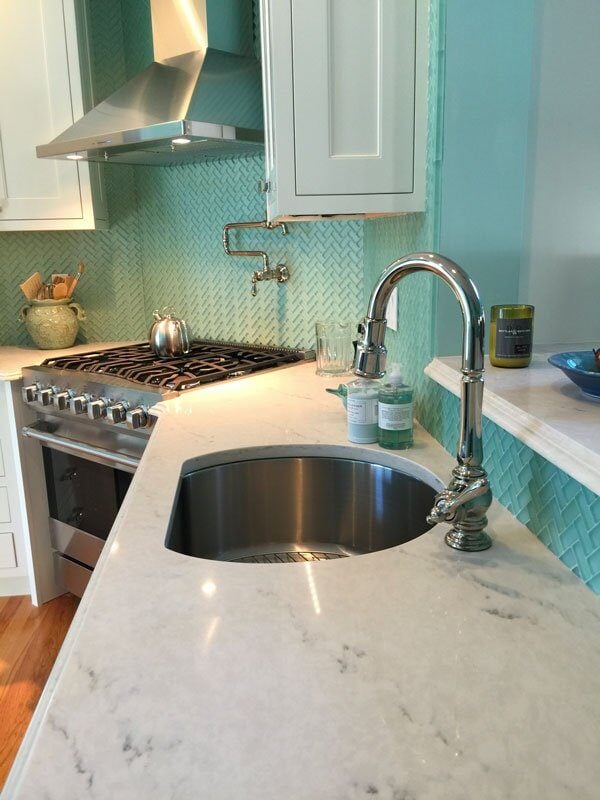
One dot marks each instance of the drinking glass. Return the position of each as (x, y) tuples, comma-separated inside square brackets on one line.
[(335, 352)]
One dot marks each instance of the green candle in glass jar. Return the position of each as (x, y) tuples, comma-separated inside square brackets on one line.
[(511, 335)]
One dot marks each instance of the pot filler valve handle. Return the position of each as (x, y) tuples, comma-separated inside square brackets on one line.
[(280, 273)]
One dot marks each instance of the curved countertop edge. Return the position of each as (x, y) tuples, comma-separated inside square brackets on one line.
[(14, 358), (517, 560), (568, 455)]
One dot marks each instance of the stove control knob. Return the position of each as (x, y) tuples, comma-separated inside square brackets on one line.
[(118, 412), (62, 398), (137, 418), (28, 393), (78, 404), (97, 408), (45, 395)]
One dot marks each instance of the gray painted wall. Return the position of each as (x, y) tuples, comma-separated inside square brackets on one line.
[(483, 179), (561, 273)]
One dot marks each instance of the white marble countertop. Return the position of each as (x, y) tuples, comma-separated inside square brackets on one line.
[(541, 407), (13, 358), (420, 672)]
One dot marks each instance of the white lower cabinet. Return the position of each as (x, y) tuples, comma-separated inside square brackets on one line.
[(40, 95), (8, 556), (345, 90), (13, 517), (4, 505)]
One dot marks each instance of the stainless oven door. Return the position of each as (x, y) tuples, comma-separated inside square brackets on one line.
[(53, 436), (86, 482)]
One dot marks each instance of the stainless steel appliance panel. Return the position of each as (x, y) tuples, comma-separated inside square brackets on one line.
[(73, 577), (75, 543)]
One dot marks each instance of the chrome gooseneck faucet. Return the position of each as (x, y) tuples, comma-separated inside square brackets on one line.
[(466, 500)]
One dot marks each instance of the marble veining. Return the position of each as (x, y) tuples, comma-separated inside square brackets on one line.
[(416, 673)]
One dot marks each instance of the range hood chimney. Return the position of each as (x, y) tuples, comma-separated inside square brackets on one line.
[(200, 98)]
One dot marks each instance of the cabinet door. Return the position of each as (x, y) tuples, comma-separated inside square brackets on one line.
[(13, 526), (353, 129), (38, 70), (346, 105)]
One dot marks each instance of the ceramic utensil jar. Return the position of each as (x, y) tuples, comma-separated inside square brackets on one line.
[(52, 324), (168, 335)]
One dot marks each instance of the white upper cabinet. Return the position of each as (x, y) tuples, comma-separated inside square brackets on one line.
[(40, 96), (345, 85)]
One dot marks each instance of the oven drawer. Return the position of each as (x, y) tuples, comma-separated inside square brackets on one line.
[(71, 576), (75, 543)]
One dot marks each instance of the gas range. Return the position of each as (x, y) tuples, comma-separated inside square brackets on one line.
[(119, 386), (88, 421)]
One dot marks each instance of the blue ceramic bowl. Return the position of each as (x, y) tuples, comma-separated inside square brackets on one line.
[(582, 369)]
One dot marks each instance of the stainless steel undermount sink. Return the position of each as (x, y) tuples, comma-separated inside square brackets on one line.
[(296, 509)]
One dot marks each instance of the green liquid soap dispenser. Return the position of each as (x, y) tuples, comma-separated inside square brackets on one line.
[(395, 411)]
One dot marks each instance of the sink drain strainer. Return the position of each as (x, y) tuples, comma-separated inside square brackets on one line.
[(293, 556)]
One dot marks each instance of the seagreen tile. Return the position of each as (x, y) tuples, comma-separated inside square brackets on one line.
[(560, 511)]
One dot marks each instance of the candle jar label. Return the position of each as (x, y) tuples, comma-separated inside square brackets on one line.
[(513, 338)]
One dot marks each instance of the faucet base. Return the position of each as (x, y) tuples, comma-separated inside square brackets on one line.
[(464, 505), (470, 542)]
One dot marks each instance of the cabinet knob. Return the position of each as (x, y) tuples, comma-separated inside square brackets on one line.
[(137, 418)]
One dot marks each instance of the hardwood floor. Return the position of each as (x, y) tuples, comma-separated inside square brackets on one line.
[(30, 639)]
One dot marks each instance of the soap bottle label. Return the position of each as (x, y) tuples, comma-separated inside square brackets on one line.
[(395, 416), (513, 338), (362, 411)]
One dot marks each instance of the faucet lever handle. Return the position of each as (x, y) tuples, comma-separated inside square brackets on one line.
[(448, 501)]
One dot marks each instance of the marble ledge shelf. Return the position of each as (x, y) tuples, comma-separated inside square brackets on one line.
[(541, 408)]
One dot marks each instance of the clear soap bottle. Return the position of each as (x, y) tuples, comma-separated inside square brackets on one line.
[(361, 409), (395, 411)]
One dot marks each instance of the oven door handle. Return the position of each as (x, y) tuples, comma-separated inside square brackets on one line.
[(99, 454)]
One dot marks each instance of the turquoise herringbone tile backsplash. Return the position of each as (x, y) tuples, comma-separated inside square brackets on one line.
[(560, 511), (184, 262)]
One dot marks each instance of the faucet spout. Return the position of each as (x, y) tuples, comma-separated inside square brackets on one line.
[(468, 496)]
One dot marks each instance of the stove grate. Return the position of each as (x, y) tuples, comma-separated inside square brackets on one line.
[(206, 362)]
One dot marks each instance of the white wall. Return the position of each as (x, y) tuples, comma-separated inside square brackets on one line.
[(561, 271)]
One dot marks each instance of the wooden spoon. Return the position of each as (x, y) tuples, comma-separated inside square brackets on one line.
[(60, 291), (75, 281)]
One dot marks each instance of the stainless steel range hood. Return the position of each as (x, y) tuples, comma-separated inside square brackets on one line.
[(196, 101)]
